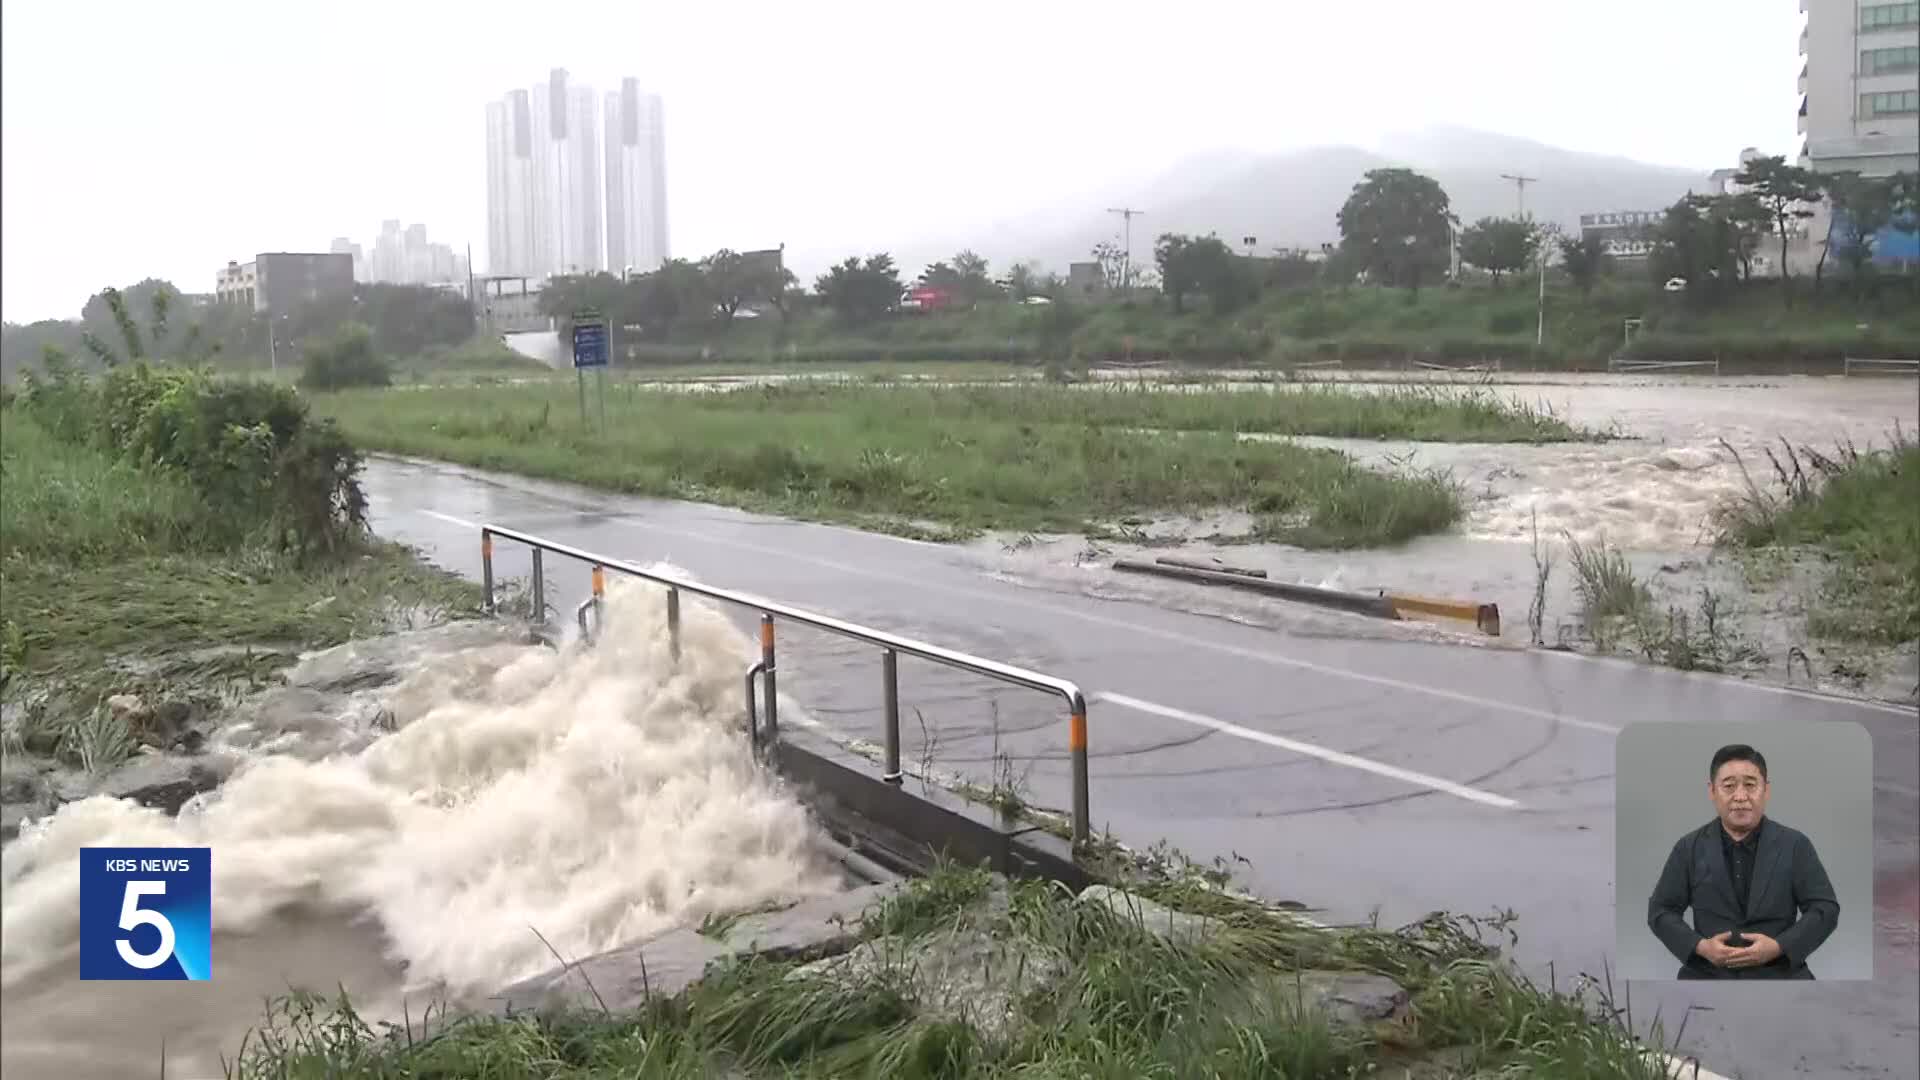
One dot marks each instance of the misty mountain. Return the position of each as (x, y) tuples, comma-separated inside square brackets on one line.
[(1290, 199)]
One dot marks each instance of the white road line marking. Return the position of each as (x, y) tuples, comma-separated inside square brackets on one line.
[(1335, 757), (1124, 624), (451, 520)]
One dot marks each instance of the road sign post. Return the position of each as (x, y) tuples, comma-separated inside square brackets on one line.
[(590, 351)]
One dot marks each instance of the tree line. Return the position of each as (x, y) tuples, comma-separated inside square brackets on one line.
[(398, 320), (688, 297), (1397, 228)]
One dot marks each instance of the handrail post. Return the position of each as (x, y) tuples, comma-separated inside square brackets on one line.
[(599, 597), (767, 672), (673, 623), (1077, 747), (890, 681), (486, 566), (753, 711), (539, 588)]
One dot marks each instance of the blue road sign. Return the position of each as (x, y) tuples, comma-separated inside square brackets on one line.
[(589, 344)]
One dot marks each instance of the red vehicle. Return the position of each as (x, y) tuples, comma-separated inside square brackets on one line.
[(926, 298)]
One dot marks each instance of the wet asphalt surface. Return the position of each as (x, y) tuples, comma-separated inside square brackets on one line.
[(1473, 779)]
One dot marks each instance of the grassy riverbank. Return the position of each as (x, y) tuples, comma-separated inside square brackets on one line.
[(951, 461), (1093, 991), (117, 576), (1860, 511)]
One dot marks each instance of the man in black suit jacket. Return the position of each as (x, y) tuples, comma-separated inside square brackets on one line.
[(1761, 900)]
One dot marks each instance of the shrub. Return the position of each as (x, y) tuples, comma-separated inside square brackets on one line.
[(347, 359), (266, 468)]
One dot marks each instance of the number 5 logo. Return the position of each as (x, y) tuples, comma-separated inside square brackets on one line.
[(132, 915)]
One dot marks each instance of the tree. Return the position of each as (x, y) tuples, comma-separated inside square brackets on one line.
[(975, 283), (403, 319), (677, 293), (1695, 241), (1903, 190), (1026, 280), (1585, 259), (1395, 225), (1784, 191), (782, 290), (566, 294), (1022, 281), (109, 314), (732, 279), (1860, 207), (1202, 264), (938, 275), (347, 359), (860, 291), (1291, 270), (1499, 245), (1748, 223)]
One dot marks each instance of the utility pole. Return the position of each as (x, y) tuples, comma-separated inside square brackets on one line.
[(1520, 189), (1127, 214)]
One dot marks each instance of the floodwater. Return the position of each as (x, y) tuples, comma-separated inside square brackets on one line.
[(1651, 494), (595, 796)]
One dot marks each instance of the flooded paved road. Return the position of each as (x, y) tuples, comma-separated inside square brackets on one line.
[(1491, 777)]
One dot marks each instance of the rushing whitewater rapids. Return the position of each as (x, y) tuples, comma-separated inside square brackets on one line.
[(595, 795)]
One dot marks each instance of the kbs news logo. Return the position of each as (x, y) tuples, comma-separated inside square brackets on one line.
[(146, 913)]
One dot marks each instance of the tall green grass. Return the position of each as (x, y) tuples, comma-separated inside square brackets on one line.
[(953, 458), (1428, 414), (1124, 1003), (1857, 507), (104, 558), (69, 502)]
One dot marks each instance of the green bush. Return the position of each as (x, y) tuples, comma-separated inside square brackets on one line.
[(345, 360), (267, 470)]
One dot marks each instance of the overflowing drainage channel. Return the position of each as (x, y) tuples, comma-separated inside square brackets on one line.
[(408, 817)]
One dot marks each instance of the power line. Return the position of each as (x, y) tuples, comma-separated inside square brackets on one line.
[(1127, 213)]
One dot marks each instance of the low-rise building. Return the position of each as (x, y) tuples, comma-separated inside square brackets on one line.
[(280, 281), (1625, 235), (510, 304), (1087, 280), (236, 283)]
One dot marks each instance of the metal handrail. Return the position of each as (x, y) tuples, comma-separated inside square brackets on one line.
[(893, 644)]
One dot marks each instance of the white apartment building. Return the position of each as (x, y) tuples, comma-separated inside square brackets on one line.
[(636, 180), (510, 185), (543, 181), (1860, 83)]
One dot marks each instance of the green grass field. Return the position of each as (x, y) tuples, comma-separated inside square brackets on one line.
[(952, 461)]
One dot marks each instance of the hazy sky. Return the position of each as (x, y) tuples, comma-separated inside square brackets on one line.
[(164, 139)]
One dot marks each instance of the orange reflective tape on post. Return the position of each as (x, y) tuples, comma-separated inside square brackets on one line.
[(599, 581), (766, 634), (1077, 733), (486, 545)]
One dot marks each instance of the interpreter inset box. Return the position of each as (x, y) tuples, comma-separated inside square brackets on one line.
[(1743, 851)]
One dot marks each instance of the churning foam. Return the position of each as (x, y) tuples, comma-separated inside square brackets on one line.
[(595, 794)]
